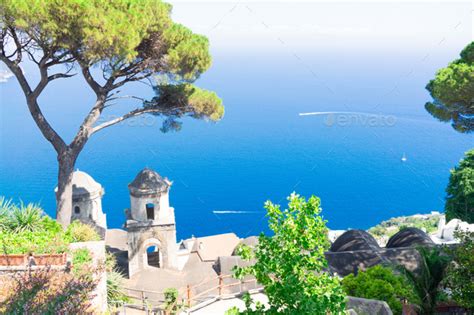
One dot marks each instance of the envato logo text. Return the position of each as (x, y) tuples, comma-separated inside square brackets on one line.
[(343, 119)]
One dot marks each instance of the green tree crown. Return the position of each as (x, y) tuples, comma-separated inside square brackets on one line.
[(453, 92), (291, 264), (460, 190)]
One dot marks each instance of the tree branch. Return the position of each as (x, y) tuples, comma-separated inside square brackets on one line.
[(32, 101), (133, 113)]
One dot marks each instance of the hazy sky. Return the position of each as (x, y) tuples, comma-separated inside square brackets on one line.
[(327, 25)]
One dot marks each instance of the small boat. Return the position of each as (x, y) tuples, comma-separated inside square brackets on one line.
[(404, 158)]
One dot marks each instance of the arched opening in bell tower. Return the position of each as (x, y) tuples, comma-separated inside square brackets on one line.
[(153, 256)]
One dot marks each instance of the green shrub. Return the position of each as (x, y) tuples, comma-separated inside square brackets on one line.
[(171, 301), (25, 229), (380, 283), (38, 242), (81, 256), (460, 274), (80, 232)]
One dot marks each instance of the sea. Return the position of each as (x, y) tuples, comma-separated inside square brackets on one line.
[(321, 98)]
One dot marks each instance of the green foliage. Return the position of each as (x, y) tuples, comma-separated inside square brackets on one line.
[(25, 217), (19, 218), (99, 29), (453, 92), (80, 232), (116, 294), (380, 283), (38, 242), (126, 38), (81, 257), (178, 100), (460, 273), (428, 223), (171, 301), (427, 280), (25, 229), (5, 207), (291, 264), (460, 190), (232, 311)]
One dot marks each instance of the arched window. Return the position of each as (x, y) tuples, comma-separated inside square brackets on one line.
[(150, 211), (153, 256), (77, 210)]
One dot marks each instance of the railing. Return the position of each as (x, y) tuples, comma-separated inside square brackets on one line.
[(191, 295)]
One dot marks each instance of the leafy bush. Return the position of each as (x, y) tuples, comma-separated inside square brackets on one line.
[(291, 264), (47, 238), (25, 229), (380, 283), (80, 232), (81, 257), (171, 301), (460, 274), (45, 291)]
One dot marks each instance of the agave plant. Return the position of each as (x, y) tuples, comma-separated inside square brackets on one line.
[(5, 208), (25, 217), (116, 294)]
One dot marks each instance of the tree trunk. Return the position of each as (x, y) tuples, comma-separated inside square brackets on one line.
[(64, 191)]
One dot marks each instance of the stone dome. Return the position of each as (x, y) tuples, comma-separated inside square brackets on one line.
[(354, 240), (148, 182), (83, 184), (409, 237)]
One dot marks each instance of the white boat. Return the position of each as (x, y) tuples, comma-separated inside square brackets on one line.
[(404, 158)]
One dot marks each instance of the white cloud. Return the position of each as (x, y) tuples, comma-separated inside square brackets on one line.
[(5, 75)]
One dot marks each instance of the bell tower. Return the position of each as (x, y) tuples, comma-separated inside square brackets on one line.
[(151, 229)]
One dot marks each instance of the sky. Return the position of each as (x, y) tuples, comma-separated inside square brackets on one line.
[(271, 61)]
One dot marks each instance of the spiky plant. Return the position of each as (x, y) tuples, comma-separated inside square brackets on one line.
[(5, 208), (426, 281), (25, 217), (116, 294)]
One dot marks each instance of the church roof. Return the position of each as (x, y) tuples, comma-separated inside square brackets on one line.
[(353, 240), (211, 247), (149, 181), (409, 237), (84, 184)]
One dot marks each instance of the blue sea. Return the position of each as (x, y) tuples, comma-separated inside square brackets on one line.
[(360, 68)]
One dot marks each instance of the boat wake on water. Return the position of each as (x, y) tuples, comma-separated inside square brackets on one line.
[(233, 212)]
